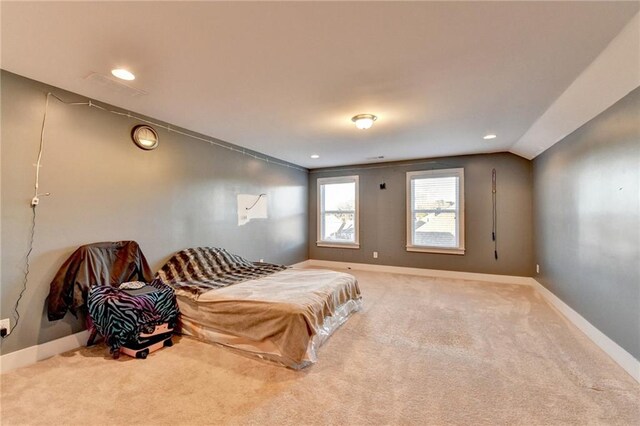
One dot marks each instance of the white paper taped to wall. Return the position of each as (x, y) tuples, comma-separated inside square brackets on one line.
[(251, 207)]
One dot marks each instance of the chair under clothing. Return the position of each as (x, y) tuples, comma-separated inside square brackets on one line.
[(88, 281)]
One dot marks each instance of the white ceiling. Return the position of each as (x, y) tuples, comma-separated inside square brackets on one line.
[(285, 78)]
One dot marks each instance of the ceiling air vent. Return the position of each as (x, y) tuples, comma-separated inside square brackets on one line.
[(111, 84)]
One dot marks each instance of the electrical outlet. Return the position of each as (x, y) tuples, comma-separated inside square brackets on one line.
[(537, 268), (6, 323), (375, 254)]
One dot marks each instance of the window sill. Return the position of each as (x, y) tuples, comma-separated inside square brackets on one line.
[(419, 249), (337, 245)]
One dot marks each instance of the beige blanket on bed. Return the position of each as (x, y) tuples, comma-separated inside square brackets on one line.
[(286, 309)]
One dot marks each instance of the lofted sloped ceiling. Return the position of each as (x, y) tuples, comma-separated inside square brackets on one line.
[(285, 78)]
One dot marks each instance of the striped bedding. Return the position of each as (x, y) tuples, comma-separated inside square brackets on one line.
[(195, 271), (276, 313)]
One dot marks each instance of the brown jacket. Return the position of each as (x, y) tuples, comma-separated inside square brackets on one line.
[(108, 263)]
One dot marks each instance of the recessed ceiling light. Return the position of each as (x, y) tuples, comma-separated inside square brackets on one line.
[(314, 156), (490, 136), (364, 121), (123, 74)]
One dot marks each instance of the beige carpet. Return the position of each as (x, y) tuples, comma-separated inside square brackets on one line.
[(423, 351)]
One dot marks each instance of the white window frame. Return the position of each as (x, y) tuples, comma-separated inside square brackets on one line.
[(457, 172), (320, 212)]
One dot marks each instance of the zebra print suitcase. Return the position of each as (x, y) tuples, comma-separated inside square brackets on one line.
[(127, 317), (146, 345), (164, 328)]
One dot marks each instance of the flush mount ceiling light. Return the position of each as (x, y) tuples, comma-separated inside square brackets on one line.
[(364, 121), (489, 136), (123, 74), (145, 137), (314, 156)]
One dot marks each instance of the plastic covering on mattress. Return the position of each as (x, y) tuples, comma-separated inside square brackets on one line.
[(266, 350), (283, 318)]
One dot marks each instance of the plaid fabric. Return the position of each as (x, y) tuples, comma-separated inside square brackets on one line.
[(198, 270)]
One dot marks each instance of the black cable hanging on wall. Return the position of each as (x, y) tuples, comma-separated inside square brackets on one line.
[(26, 273), (494, 230), (254, 204)]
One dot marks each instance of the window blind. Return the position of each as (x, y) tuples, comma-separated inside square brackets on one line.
[(435, 210)]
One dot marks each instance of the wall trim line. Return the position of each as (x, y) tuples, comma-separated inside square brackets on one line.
[(436, 273), (616, 352), (33, 354), (303, 264), (619, 355)]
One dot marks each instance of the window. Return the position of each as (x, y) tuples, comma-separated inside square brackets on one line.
[(338, 212), (435, 211)]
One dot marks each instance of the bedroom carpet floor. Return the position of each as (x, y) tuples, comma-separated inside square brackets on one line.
[(422, 351)]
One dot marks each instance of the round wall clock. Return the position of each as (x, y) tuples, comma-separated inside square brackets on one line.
[(145, 137)]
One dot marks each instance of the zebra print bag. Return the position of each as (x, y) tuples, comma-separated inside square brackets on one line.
[(120, 316)]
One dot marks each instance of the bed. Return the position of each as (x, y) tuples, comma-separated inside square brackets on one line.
[(277, 313)]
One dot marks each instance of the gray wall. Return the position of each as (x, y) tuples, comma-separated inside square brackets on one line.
[(587, 221), (383, 216), (103, 188)]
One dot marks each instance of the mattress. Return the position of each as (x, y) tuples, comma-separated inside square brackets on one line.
[(283, 317)]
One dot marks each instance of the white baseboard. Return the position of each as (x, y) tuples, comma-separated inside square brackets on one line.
[(623, 358), (436, 273), (35, 353), (302, 264)]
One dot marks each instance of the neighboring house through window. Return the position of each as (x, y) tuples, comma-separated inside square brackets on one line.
[(338, 212), (435, 211)]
